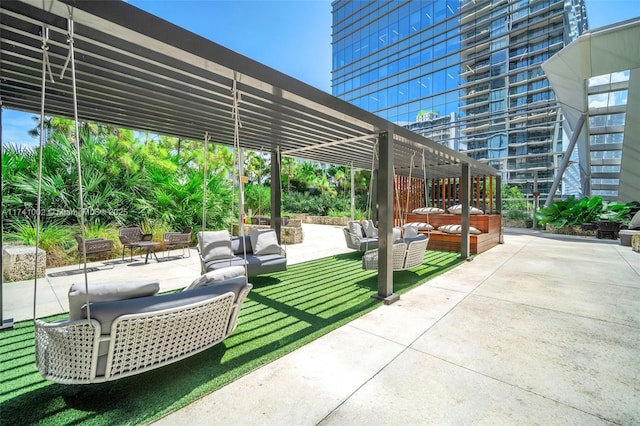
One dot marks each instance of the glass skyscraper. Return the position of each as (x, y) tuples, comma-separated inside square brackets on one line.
[(465, 73)]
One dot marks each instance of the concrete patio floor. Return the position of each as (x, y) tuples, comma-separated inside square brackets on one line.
[(535, 331)]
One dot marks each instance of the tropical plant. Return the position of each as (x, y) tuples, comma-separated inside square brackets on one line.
[(573, 211)]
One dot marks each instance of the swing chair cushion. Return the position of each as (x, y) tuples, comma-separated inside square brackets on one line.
[(264, 241), (428, 210), (218, 276), (457, 209), (214, 245), (370, 231), (355, 228), (107, 312), (457, 229), (107, 292)]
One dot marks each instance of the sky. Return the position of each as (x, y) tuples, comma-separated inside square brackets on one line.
[(291, 36)]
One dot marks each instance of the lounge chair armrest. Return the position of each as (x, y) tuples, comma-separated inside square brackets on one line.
[(147, 237)]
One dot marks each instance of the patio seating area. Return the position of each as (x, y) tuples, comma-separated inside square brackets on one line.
[(545, 325)]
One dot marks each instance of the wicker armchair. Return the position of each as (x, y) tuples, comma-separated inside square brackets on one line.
[(130, 237), (93, 246), (178, 240)]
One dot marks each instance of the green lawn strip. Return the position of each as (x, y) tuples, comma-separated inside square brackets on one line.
[(283, 312)]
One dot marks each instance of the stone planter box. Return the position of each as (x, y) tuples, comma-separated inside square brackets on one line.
[(18, 263), (288, 234), (570, 230), (635, 243), (322, 220)]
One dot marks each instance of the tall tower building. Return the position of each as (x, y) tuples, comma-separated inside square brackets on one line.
[(465, 73)]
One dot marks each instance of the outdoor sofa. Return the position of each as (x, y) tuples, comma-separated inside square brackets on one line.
[(131, 329), (263, 253)]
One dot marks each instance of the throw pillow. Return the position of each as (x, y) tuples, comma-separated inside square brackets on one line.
[(107, 292), (214, 245), (422, 226), (457, 229), (457, 209), (264, 241), (217, 275), (428, 210)]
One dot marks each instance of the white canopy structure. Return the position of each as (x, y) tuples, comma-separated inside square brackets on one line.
[(606, 50)]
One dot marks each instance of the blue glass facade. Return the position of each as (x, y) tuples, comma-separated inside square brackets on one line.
[(472, 65)]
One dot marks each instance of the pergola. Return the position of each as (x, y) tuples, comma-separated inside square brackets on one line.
[(137, 71)]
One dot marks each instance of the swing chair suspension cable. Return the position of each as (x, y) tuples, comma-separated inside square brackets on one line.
[(45, 66)]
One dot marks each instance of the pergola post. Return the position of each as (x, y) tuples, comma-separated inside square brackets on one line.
[(385, 218), (465, 191), (276, 192)]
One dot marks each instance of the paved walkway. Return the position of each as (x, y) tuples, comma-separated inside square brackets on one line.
[(535, 331)]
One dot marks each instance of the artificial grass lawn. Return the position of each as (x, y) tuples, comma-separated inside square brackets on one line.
[(283, 312)]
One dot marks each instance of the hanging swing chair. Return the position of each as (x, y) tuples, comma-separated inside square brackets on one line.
[(407, 252), (116, 330)]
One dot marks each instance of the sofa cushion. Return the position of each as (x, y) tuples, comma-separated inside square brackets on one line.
[(369, 229), (256, 265), (214, 245), (240, 243), (106, 312), (457, 229), (264, 241), (221, 274), (457, 209), (107, 292), (428, 210)]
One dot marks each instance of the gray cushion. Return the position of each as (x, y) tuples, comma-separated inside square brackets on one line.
[(238, 244), (264, 241), (214, 245), (106, 292), (220, 274), (256, 265), (106, 312)]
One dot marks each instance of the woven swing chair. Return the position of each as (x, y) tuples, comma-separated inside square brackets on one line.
[(407, 252), (116, 330)]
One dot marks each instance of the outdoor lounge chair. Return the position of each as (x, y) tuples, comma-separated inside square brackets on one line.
[(93, 246), (178, 240), (130, 237)]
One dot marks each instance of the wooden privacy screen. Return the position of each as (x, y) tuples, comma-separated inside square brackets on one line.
[(443, 193)]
